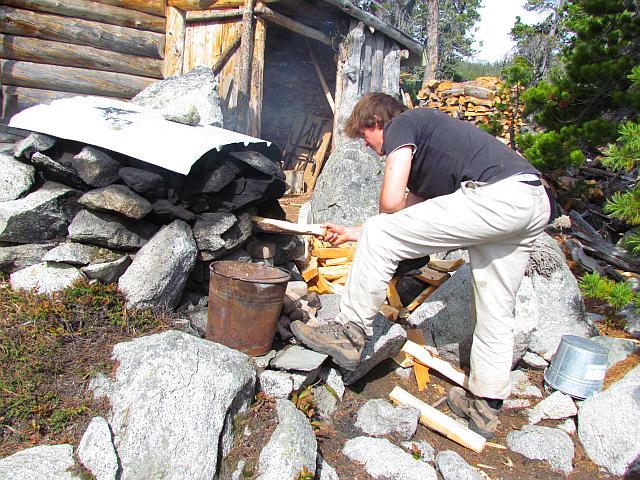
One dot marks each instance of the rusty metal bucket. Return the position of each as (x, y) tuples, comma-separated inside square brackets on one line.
[(245, 300)]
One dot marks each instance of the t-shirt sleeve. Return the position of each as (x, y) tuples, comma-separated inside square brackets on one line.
[(398, 133)]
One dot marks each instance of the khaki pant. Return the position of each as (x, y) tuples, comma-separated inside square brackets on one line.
[(497, 223)]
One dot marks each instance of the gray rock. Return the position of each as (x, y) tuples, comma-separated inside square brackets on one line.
[(35, 142), (173, 400), (384, 460), (288, 248), (116, 199), (298, 358), (95, 167), (297, 289), (275, 384), (182, 115), (333, 380), (46, 462), (79, 254), (148, 184), (556, 406), (238, 233), (326, 401), (198, 319), (198, 88), (263, 360), (608, 428), (41, 216), (107, 272), (110, 231), (543, 443), (209, 228), (259, 162), (45, 277), (632, 316), (56, 171), (292, 445), (534, 362), (238, 255), (324, 471), (453, 467), (378, 417), (386, 342), (427, 452), (568, 426), (20, 256), (16, 178), (619, 348), (210, 178), (96, 450), (348, 188), (329, 307), (516, 404), (168, 211), (522, 387), (560, 306), (446, 323), (159, 272)]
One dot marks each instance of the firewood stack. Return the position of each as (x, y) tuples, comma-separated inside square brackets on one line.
[(484, 100)]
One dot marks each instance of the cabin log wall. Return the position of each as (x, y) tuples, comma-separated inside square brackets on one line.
[(51, 49)]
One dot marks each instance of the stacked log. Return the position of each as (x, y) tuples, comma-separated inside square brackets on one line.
[(484, 101), (74, 211), (51, 49)]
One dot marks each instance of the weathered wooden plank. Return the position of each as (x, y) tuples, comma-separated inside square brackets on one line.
[(81, 32), (174, 42), (201, 15), (377, 64), (154, 7), (98, 12), (391, 71), (257, 79), (246, 60), (226, 55), (365, 69), (44, 51), (69, 79), (205, 4), (293, 26)]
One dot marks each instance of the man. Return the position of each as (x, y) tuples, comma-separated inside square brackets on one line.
[(447, 185)]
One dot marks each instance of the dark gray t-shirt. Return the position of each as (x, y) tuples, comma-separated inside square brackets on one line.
[(448, 152)]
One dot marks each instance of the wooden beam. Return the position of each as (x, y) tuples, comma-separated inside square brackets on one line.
[(281, 226), (68, 79), (174, 42), (313, 169), (256, 87), (88, 10), (422, 355), (440, 422), (246, 61), (293, 26), (153, 7), (207, 4), (65, 54), (81, 32), (372, 21), (226, 55), (391, 71), (323, 82), (203, 15)]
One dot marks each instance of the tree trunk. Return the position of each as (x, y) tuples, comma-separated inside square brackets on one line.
[(154, 7), (432, 42)]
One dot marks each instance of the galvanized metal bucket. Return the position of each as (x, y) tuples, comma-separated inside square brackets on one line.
[(578, 367), (245, 300)]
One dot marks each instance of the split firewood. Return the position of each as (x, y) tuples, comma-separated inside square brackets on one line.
[(422, 355), (390, 312), (311, 271), (432, 276), (439, 422), (333, 272), (445, 265), (333, 252), (392, 294), (421, 298), (271, 225)]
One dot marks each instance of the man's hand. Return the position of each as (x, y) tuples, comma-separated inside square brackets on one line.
[(339, 234)]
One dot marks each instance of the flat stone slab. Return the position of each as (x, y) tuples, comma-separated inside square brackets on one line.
[(619, 348), (383, 460), (424, 449), (543, 443), (535, 362), (522, 387), (378, 417), (453, 467), (45, 277), (20, 256), (46, 462), (16, 178), (79, 254), (556, 407), (298, 358), (116, 199), (95, 167), (96, 450), (275, 384), (107, 272), (35, 142)]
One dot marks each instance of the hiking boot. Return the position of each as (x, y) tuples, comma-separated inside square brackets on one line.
[(343, 343), (482, 418)]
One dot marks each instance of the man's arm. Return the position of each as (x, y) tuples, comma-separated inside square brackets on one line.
[(393, 196)]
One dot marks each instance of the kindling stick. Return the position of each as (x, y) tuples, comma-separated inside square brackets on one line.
[(422, 355), (281, 226)]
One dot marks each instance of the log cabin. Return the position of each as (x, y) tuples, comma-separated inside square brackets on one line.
[(289, 71)]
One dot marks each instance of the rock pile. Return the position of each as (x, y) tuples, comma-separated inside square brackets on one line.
[(71, 211)]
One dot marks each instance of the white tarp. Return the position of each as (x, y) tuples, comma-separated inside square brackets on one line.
[(129, 129)]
